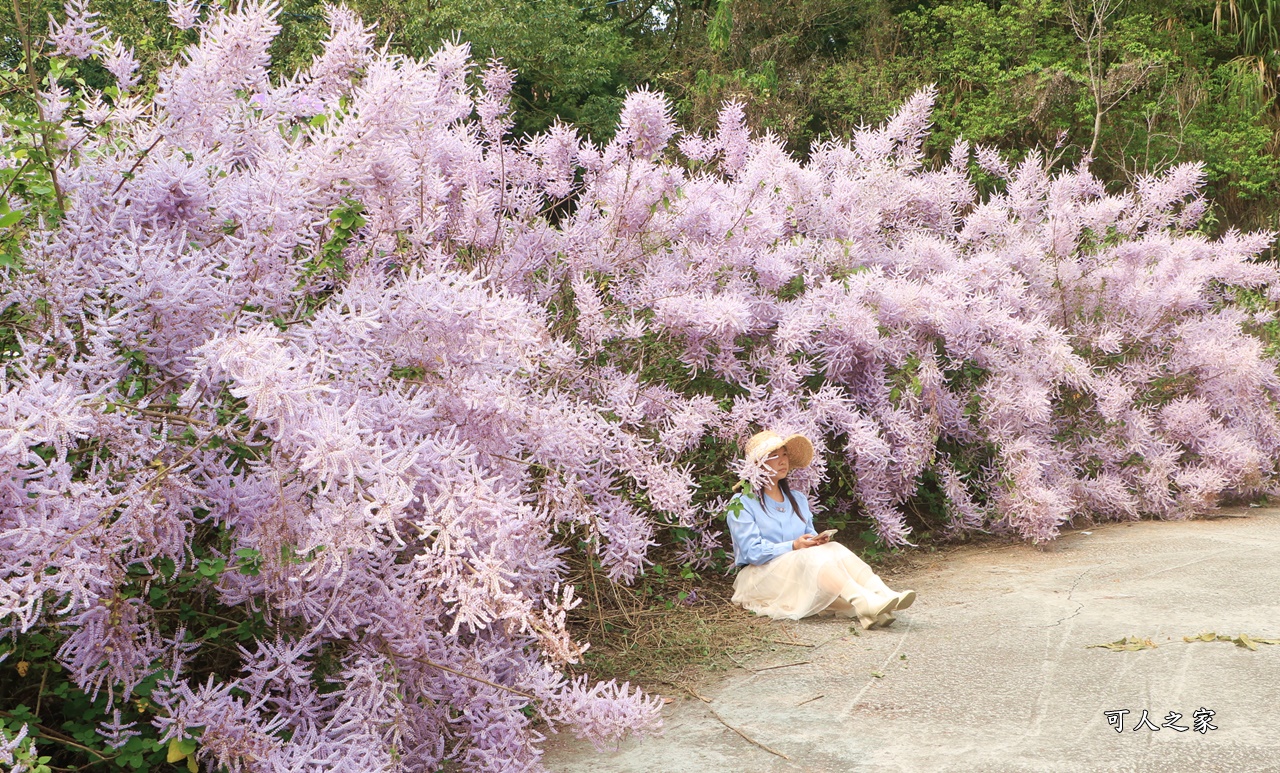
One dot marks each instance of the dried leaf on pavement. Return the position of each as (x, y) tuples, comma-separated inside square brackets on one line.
[(1127, 644)]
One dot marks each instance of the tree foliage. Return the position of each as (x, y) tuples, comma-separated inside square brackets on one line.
[(1189, 81)]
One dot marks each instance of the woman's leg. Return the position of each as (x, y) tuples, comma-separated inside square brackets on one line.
[(868, 603), (834, 575), (862, 574)]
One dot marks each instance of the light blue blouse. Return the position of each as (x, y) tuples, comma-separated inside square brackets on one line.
[(763, 529)]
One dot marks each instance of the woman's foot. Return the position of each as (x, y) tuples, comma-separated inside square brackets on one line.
[(871, 606)]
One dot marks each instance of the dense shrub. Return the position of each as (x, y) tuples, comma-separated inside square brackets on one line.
[(313, 383)]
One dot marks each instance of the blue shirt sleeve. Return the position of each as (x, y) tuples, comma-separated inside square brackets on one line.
[(749, 546)]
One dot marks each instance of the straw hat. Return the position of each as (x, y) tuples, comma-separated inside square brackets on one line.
[(799, 449)]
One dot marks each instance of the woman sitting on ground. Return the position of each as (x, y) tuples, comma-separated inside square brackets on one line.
[(785, 570)]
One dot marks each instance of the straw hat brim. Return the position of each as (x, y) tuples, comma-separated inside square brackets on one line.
[(799, 449)]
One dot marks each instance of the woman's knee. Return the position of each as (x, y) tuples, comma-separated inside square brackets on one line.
[(832, 578)]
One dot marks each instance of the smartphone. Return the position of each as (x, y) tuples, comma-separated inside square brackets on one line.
[(828, 534)]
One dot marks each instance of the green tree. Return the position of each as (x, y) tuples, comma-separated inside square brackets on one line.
[(572, 57)]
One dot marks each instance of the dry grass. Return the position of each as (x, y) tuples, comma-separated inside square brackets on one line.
[(664, 631)]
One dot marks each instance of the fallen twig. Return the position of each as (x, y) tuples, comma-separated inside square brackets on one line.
[(697, 695), (811, 700), (837, 637), (784, 665), (687, 689), (791, 634), (746, 737), (789, 643)]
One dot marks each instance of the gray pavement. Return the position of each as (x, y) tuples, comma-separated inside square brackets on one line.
[(991, 669)]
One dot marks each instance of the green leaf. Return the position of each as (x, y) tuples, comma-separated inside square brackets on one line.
[(212, 568), (180, 749), (11, 219), (720, 29), (213, 632)]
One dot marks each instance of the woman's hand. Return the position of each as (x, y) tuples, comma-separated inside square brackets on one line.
[(806, 541)]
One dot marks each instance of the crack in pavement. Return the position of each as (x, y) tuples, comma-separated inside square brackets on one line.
[(1070, 593)]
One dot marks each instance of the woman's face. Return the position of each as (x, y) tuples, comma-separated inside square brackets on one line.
[(778, 464)]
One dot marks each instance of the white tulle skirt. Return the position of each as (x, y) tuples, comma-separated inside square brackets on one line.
[(806, 582)]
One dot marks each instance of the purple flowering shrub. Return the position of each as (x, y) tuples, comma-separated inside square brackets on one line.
[(336, 369)]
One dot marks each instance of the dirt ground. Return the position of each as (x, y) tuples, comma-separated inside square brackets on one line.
[(996, 667)]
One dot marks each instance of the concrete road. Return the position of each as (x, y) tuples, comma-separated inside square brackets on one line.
[(991, 669)]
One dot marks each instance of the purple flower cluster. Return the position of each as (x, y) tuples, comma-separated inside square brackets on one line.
[(404, 420)]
